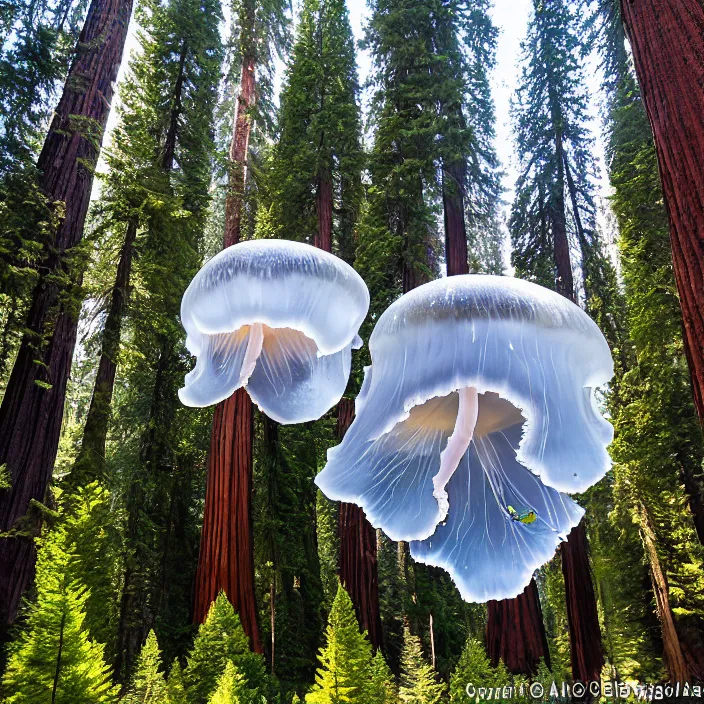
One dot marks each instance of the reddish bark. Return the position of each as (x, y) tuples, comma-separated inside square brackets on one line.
[(453, 178), (31, 412), (561, 245), (667, 40), (515, 632), (226, 559), (323, 236), (239, 147), (90, 462), (586, 650), (358, 561)]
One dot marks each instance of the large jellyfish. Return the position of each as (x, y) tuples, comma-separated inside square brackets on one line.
[(477, 411), (278, 317)]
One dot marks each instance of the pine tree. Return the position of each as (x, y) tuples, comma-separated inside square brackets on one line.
[(53, 658), (175, 688), (474, 667), (658, 442), (382, 688), (220, 640), (231, 687), (148, 685), (418, 681), (344, 660)]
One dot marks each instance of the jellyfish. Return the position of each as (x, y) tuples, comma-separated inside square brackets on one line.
[(478, 414), (279, 318)]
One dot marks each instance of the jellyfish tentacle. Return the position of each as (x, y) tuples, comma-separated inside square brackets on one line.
[(254, 349), (457, 445)]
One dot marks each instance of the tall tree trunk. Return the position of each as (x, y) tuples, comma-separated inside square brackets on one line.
[(667, 40), (453, 178), (515, 632), (359, 571), (323, 235), (674, 659), (90, 463), (586, 650), (581, 236), (226, 559), (32, 409), (561, 245)]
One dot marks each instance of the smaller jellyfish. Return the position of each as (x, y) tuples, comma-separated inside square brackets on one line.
[(477, 414), (278, 317)]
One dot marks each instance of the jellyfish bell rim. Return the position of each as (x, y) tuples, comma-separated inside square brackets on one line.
[(197, 326)]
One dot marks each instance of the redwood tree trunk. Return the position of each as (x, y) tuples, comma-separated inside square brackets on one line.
[(90, 463), (453, 178), (667, 40), (586, 650), (226, 559), (515, 632), (359, 572), (323, 236), (31, 412)]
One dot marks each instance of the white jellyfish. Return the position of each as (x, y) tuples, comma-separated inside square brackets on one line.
[(478, 409), (278, 317)]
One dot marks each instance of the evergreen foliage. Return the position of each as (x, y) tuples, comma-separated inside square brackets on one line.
[(344, 660), (148, 685), (175, 688), (53, 658), (419, 683), (220, 641), (231, 687)]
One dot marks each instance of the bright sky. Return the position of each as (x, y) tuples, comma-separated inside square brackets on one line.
[(511, 17)]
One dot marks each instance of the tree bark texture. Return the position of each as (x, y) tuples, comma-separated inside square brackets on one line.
[(359, 571), (90, 463), (515, 632), (324, 198), (667, 41), (674, 659), (226, 559), (456, 254), (586, 651), (31, 412)]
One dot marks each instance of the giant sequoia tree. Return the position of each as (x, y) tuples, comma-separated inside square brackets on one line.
[(556, 167), (32, 408), (226, 560), (646, 471), (667, 39)]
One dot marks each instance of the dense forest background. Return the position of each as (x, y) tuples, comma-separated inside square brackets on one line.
[(155, 553)]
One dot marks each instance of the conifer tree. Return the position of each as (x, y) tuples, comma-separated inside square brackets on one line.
[(419, 684), (175, 688), (344, 660), (221, 640), (382, 688), (32, 406), (647, 471), (557, 168), (53, 658), (148, 685), (231, 687), (474, 667), (261, 32)]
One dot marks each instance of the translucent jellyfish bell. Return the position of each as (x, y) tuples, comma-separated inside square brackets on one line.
[(477, 411), (278, 317)]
